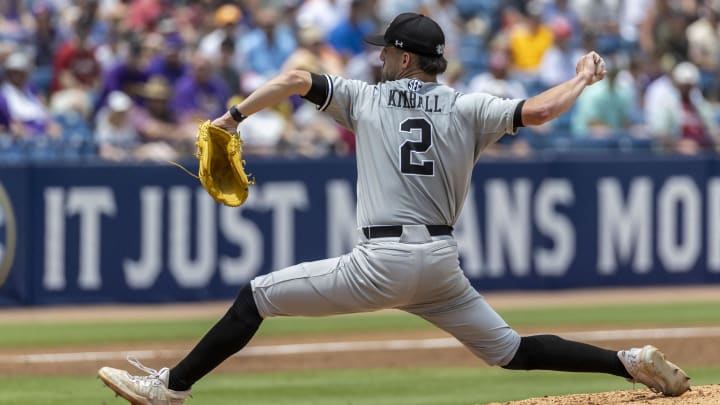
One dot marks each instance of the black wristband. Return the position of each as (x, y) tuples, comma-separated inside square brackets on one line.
[(236, 114)]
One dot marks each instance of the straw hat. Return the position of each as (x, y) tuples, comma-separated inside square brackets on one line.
[(157, 88), (227, 14)]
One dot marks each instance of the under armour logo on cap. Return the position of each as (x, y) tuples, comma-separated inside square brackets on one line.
[(414, 33)]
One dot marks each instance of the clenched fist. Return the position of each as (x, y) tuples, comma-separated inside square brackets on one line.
[(592, 66)]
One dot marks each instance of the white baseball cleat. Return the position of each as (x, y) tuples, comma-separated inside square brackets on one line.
[(142, 390), (649, 366)]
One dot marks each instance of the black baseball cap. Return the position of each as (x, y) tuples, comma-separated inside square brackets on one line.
[(414, 33)]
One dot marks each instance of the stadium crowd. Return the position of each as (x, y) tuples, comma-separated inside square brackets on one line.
[(131, 79)]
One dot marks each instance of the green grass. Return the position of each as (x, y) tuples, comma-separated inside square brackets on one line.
[(425, 386), (38, 334)]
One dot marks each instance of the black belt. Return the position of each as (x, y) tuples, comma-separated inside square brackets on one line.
[(389, 231)]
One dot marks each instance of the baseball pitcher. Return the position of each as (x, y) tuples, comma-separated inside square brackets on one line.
[(417, 143)]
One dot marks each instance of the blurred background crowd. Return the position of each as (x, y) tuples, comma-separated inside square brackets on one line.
[(131, 79)]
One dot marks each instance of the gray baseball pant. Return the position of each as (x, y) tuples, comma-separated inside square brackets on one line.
[(416, 273)]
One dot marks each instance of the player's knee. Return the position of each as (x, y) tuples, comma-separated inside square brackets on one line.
[(500, 350)]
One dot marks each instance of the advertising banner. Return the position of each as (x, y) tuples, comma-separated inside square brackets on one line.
[(149, 233)]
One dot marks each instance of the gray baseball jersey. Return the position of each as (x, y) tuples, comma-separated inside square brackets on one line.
[(416, 146)]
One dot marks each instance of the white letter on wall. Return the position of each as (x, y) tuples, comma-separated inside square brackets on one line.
[(556, 226), (469, 240), (143, 272), (192, 273), (284, 198), (508, 226), (246, 235), (679, 256), (341, 223), (713, 225), (624, 229), (54, 274), (90, 203)]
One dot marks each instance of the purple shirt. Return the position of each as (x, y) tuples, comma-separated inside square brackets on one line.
[(4, 113), (124, 78), (159, 66), (207, 99)]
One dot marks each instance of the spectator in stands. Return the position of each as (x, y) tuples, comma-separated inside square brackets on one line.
[(600, 18), (200, 94), (497, 80), (143, 15), (266, 48), (127, 76), (155, 120), (630, 18), (25, 115), (606, 108), (528, 43), (704, 43), (227, 30), (170, 62), (314, 54), (116, 47), (4, 119), (119, 140), (561, 10), (226, 67), (45, 37), (114, 131), (677, 113), (264, 132), (323, 14), (557, 63), (346, 37), (75, 66), (664, 30)]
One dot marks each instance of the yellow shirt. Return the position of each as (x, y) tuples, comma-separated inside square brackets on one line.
[(527, 48)]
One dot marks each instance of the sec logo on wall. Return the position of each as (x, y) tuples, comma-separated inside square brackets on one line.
[(8, 235)]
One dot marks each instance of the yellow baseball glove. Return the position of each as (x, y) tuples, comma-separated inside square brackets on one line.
[(221, 170)]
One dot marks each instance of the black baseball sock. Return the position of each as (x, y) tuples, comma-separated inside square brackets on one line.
[(227, 337), (549, 352)]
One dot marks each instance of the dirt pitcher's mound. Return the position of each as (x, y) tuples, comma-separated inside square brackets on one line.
[(702, 395)]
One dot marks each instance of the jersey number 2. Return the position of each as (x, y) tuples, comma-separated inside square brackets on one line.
[(426, 167)]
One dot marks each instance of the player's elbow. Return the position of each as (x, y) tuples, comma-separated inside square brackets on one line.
[(537, 114), (299, 81)]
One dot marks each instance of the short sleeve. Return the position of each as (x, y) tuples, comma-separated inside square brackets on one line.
[(344, 98), (490, 116)]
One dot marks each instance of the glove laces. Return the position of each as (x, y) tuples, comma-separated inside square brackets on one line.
[(186, 171)]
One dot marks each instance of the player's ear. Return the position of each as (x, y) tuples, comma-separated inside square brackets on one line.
[(406, 59)]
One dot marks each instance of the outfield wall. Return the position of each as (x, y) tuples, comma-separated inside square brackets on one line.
[(94, 232)]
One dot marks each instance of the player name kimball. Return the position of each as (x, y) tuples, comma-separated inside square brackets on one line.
[(408, 99)]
